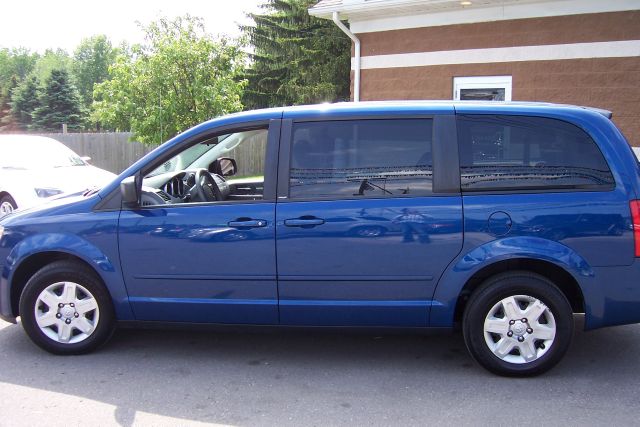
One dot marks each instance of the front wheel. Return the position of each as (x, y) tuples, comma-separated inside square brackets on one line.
[(65, 309), (7, 205), (518, 324)]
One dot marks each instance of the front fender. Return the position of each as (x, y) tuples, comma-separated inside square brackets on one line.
[(466, 265), (71, 244)]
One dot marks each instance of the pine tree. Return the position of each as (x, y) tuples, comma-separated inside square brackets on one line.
[(24, 101), (59, 103), (297, 59)]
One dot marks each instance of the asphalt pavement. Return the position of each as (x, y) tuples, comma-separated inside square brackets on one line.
[(309, 378)]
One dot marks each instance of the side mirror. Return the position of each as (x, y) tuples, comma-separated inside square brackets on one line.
[(227, 166), (129, 191), (86, 159)]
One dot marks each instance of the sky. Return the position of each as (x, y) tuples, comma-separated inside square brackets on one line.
[(41, 24)]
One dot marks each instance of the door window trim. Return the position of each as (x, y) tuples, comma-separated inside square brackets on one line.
[(113, 201), (446, 181)]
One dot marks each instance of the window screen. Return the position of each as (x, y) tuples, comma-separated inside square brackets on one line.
[(361, 158), (516, 152)]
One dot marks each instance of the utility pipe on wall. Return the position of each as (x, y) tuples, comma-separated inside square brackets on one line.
[(356, 42)]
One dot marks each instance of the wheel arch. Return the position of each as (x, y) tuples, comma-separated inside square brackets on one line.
[(552, 260), (31, 264), (6, 193), (560, 277), (35, 251)]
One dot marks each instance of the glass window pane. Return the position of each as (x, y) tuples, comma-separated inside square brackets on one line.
[(230, 168), (493, 94), (361, 158), (515, 152)]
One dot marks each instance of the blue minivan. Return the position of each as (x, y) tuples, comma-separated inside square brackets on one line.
[(502, 219)]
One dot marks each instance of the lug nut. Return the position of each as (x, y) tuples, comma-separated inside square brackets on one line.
[(510, 334), (67, 321), (76, 314), (58, 315), (529, 330), (60, 305), (512, 322), (524, 319), (72, 304), (521, 338)]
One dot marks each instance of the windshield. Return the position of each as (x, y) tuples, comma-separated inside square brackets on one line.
[(39, 154)]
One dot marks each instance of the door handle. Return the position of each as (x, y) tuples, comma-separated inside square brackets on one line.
[(304, 221), (247, 223)]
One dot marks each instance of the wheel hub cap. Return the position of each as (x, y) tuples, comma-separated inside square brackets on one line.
[(519, 329), (6, 208), (67, 312)]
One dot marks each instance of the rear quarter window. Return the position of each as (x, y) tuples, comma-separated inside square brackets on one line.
[(528, 153)]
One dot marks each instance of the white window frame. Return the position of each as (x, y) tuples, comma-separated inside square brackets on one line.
[(482, 82)]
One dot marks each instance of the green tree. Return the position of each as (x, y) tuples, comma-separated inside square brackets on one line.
[(297, 59), (179, 77), (25, 100), (15, 65), (91, 62), (59, 103)]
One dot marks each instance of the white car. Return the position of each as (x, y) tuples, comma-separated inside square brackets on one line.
[(34, 168)]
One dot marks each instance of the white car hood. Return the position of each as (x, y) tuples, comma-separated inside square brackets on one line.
[(69, 179)]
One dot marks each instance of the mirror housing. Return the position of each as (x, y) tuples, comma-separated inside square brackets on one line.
[(129, 191), (86, 159), (224, 166)]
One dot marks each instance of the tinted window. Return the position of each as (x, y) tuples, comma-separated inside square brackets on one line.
[(361, 158), (514, 152)]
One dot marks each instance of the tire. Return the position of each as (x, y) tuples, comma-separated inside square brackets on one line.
[(500, 336), (66, 309), (7, 205)]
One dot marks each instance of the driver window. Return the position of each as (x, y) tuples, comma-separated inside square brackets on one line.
[(218, 168)]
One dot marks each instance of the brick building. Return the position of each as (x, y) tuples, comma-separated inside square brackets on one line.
[(584, 52)]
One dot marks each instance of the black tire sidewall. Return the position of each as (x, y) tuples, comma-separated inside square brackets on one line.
[(62, 271), (502, 287)]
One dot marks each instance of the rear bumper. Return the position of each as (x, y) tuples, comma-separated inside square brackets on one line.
[(613, 297)]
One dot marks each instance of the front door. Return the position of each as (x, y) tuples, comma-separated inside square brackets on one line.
[(361, 236), (202, 246)]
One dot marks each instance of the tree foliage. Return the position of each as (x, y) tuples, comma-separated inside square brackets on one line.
[(179, 77), (297, 59), (15, 65), (51, 60), (91, 62), (25, 100), (59, 103)]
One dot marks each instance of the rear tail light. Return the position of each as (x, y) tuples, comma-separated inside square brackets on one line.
[(635, 216)]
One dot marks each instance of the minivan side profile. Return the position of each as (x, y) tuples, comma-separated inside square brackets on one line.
[(502, 219)]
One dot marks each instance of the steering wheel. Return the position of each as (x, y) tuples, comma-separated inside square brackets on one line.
[(206, 186)]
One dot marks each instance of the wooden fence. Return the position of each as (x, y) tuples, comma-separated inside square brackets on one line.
[(114, 152), (111, 151)]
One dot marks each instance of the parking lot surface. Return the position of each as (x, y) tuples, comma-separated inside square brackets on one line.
[(151, 377)]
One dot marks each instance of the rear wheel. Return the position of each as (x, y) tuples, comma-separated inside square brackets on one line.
[(518, 324), (7, 205), (65, 309)]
